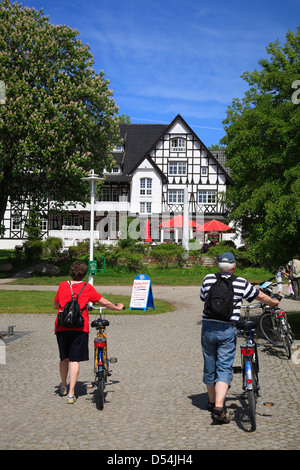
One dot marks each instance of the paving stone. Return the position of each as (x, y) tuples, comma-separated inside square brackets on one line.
[(155, 397)]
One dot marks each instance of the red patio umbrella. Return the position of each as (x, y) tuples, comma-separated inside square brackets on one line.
[(148, 238), (177, 222), (213, 226)]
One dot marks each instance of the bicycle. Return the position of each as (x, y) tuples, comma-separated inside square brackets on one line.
[(101, 360), (273, 322), (276, 329), (249, 364)]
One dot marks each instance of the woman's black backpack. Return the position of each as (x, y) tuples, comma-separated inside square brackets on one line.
[(71, 315), (219, 302)]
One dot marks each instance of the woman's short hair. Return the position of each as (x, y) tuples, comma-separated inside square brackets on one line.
[(78, 270)]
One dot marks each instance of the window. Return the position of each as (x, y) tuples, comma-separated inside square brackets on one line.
[(105, 194), (114, 194), (207, 197), (175, 196), (115, 169), (204, 171), (54, 223), (145, 186), (44, 225), (119, 148), (145, 207), (71, 220), (16, 222), (177, 145), (177, 168)]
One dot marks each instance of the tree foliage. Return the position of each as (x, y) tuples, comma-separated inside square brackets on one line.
[(59, 119), (262, 149)]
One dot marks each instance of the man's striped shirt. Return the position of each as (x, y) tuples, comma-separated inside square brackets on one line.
[(242, 289)]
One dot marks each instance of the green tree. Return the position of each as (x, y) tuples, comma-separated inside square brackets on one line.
[(59, 119), (262, 150)]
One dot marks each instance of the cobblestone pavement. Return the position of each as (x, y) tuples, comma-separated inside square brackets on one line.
[(155, 399)]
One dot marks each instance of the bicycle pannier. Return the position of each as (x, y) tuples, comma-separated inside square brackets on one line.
[(219, 302), (71, 315)]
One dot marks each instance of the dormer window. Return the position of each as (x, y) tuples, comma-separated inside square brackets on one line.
[(177, 145), (115, 169), (119, 148)]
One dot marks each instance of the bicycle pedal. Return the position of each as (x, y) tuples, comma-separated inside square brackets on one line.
[(237, 369), (92, 385), (113, 360)]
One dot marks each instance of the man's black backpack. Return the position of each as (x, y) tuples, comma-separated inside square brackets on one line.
[(219, 302), (71, 315)]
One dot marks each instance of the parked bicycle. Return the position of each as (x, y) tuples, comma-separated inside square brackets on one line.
[(101, 359), (273, 322), (276, 329)]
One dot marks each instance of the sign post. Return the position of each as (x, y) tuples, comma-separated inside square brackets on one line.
[(141, 295)]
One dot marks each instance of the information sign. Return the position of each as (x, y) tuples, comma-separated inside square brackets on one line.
[(141, 296)]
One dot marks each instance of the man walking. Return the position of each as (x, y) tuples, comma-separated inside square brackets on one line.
[(218, 339)]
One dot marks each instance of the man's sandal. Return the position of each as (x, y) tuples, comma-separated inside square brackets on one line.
[(218, 414), (210, 406)]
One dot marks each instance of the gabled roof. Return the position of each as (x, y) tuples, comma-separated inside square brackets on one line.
[(219, 154), (162, 175), (140, 139)]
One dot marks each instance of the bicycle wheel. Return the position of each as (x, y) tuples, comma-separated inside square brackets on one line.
[(99, 393), (270, 328), (290, 333), (252, 397), (286, 339)]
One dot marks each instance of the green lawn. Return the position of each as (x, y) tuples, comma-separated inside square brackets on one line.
[(43, 302), (172, 276)]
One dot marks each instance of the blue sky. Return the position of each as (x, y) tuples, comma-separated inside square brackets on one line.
[(169, 57)]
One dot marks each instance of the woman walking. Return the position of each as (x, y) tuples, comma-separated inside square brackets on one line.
[(73, 342)]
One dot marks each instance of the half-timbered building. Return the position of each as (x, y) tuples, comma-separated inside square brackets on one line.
[(153, 165)]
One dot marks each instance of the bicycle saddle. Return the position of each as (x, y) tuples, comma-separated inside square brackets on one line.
[(98, 323), (242, 324)]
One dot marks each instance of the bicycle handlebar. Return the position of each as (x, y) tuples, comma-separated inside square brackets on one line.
[(93, 307)]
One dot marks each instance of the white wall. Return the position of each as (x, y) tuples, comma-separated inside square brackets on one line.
[(146, 170)]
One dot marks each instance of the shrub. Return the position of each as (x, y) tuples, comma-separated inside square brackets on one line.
[(131, 262), (52, 247), (33, 249), (166, 254), (243, 259)]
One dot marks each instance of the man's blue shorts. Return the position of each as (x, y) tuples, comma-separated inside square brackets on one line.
[(218, 342)]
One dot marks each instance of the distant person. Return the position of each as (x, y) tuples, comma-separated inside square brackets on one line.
[(278, 276), (295, 276), (287, 273), (73, 342), (218, 338)]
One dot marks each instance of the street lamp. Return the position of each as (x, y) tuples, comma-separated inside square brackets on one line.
[(93, 179)]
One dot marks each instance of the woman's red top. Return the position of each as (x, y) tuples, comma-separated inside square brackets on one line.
[(63, 295)]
